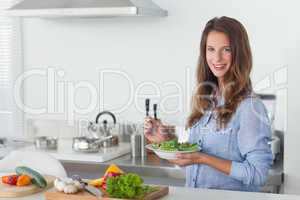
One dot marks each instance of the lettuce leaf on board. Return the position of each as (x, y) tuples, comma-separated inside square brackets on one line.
[(127, 186)]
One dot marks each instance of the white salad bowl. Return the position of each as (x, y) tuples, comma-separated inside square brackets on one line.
[(168, 155)]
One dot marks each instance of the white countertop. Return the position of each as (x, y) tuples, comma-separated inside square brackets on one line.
[(4, 151), (179, 193), (65, 152)]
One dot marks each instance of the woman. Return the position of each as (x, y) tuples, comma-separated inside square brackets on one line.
[(227, 120)]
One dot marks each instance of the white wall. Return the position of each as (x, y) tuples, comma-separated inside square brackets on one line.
[(161, 50), (147, 49), (292, 138)]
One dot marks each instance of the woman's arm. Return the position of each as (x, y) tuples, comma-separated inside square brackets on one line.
[(203, 158), (253, 136), (217, 163)]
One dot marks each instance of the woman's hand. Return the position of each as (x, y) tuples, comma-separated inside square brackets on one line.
[(184, 159), (157, 132)]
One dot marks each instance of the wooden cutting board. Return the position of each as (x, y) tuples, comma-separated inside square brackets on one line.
[(55, 195), (19, 191)]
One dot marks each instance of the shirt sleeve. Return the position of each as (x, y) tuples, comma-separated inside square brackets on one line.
[(253, 136)]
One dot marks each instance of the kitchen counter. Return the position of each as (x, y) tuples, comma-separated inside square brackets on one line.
[(179, 193), (155, 169), (4, 151), (152, 169)]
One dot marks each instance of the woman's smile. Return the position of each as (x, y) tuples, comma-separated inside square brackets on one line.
[(219, 66)]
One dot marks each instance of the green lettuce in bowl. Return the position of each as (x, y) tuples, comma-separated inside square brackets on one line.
[(168, 149), (174, 145)]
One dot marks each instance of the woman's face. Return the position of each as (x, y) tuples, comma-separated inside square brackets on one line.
[(218, 53)]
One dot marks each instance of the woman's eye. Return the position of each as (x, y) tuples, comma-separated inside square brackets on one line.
[(227, 49), (210, 49)]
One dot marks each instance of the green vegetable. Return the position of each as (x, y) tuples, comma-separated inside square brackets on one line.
[(37, 178), (187, 147), (173, 145), (155, 146), (170, 145), (127, 186)]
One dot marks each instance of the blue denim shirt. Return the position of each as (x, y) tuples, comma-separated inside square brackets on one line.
[(244, 141)]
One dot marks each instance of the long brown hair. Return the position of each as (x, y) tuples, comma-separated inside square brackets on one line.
[(236, 81)]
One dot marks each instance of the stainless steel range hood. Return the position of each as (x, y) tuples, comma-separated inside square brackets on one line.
[(85, 8)]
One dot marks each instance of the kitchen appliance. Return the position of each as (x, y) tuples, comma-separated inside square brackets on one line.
[(44, 142), (269, 101), (135, 141), (143, 146), (88, 145), (97, 129), (275, 146), (85, 8), (100, 130)]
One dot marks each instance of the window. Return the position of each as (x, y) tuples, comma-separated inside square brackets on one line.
[(11, 117)]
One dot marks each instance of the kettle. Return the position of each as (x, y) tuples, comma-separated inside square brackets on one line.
[(102, 129)]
